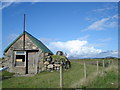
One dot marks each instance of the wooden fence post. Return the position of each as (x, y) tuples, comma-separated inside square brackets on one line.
[(97, 66), (103, 67), (85, 72), (109, 62), (61, 79), (103, 63)]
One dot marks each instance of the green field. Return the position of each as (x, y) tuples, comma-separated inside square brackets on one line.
[(72, 78)]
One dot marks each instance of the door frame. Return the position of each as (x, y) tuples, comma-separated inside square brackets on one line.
[(27, 51)]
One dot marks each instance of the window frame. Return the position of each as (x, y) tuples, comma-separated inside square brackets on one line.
[(15, 54)]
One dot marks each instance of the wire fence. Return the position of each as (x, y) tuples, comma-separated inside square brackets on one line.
[(101, 67)]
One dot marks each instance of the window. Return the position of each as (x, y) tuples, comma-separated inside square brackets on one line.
[(20, 57), (20, 60)]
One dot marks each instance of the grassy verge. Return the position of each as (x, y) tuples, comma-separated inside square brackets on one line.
[(49, 79), (72, 78), (108, 80)]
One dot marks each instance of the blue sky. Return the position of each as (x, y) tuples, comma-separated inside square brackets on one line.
[(81, 29)]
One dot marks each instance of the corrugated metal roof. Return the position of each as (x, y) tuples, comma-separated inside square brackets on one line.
[(37, 42)]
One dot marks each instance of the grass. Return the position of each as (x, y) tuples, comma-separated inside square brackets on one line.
[(6, 75), (71, 78), (109, 80)]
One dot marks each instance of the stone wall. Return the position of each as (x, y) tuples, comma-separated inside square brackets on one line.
[(19, 70), (36, 58)]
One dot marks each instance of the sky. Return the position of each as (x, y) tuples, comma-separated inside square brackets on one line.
[(80, 29)]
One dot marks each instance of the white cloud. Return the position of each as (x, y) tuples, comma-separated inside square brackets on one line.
[(6, 3), (79, 49), (115, 16), (103, 24), (75, 48), (97, 25), (108, 53), (104, 39), (111, 24), (98, 44), (105, 8), (102, 9), (91, 18)]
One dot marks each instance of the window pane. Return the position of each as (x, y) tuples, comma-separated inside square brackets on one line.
[(20, 60)]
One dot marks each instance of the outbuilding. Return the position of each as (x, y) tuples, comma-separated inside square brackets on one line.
[(25, 54)]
